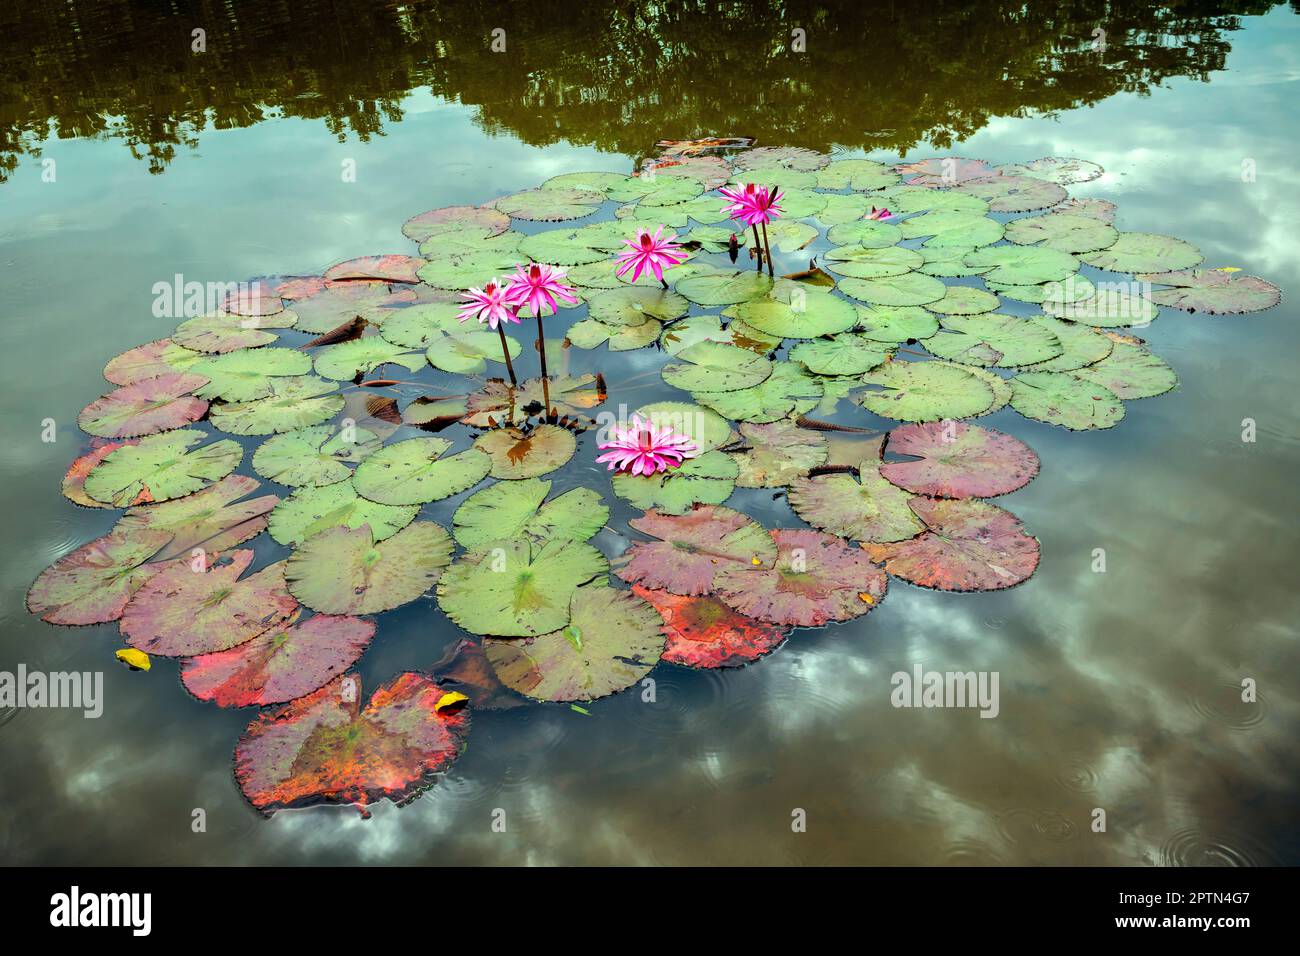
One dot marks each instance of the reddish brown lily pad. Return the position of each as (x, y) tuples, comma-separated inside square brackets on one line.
[(279, 665), (92, 584), (455, 219), (213, 519), (182, 612), (389, 268), (968, 545), (865, 507), (254, 299), (816, 578), (163, 357), (704, 632), (327, 748), (958, 460), (146, 407), (693, 548), (943, 171)]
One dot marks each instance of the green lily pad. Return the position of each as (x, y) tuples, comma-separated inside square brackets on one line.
[(708, 479), (294, 402), (594, 275), (1131, 372), (92, 584), (455, 219), (774, 174), (1082, 345), (790, 390), (862, 175), (1062, 398), (953, 227), (343, 302), (586, 182), (965, 300), (419, 326), (791, 157), (866, 508), (1145, 252), (1022, 265), (717, 367), (705, 427), (309, 511), (343, 571), (1110, 306), (631, 305), (1075, 288), (796, 312), (839, 209), (551, 204), (512, 509), (561, 247), (917, 199), (777, 453), (591, 334), (999, 386), (790, 235), (471, 242), (467, 351), (161, 467), (947, 262), (725, 288), (471, 270), (1003, 340), (924, 392), (146, 407), (413, 472), (1063, 232), (708, 328), (1063, 170), (859, 262), (896, 324), (910, 288), (692, 548), (867, 233), (798, 203), (220, 333), (516, 453), (655, 190), (848, 353), (1014, 193), (348, 360), (1214, 291), (705, 209), (162, 357), (213, 519), (246, 375)]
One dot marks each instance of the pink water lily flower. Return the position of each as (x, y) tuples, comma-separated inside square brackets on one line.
[(536, 285), (879, 214), (753, 204), (643, 449), (650, 250), (489, 304)]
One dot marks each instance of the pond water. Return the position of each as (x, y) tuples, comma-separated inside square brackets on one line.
[(1119, 690)]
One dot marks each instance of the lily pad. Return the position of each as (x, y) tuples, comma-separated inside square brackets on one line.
[(817, 578), (220, 333), (279, 665), (896, 324), (965, 300), (909, 199), (318, 455), (469, 270), (858, 262), (516, 453), (968, 545), (327, 748), (655, 190), (455, 219), (1145, 252), (1014, 193), (862, 175), (725, 288), (500, 402), (344, 571), (246, 375), (1214, 291), (953, 227), (518, 587), (73, 485), (413, 472), (341, 303), (161, 467), (707, 479), (865, 233), (587, 182), (708, 328), (957, 460), (386, 268), (162, 357), (591, 334), (843, 209), (213, 519), (797, 313), (147, 407), (1063, 232), (1110, 306), (550, 205), (560, 247), (180, 612), (512, 509), (849, 353), (92, 584), (1062, 398), (924, 392), (910, 288), (941, 172), (471, 242), (1004, 340), (777, 453), (1131, 372), (789, 390), (704, 632), (613, 639), (865, 508), (468, 351), (311, 510), (294, 402), (705, 427), (1082, 345), (718, 367), (1063, 170), (692, 548), (348, 360), (947, 262), (631, 305), (791, 157), (1022, 265)]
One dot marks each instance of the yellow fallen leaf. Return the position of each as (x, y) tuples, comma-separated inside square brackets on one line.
[(133, 658), (449, 700), (866, 598), (1227, 269), (755, 561)]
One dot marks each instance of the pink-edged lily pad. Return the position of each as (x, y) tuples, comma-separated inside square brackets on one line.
[(864, 507), (693, 548), (943, 171), (1214, 291), (162, 357), (279, 665), (702, 631), (957, 460), (816, 578), (299, 287), (92, 584), (389, 268), (328, 748), (968, 545), (455, 219), (181, 612), (213, 519), (254, 299), (74, 480), (146, 407)]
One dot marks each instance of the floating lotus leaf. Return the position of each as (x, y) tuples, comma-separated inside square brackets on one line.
[(798, 203), (586, 182), (180, 612), (635, 306), (344, 571), (1062, 398), (953, 227), (894, 324), (1108, 307), (790, 390), (74, 480), (162, 357), (1063, 232), (327, 748), (705, 427), (957, 460), (774, 174), (708, 328), (1022, 265), (473, 269), (816, 578), (516, 508), (419, 326), (791, 157), (967, 546), (999, 386), (725, 288), (711, 171), (471, 242), (1051, 295), (1005, 340), (313, 456), (609, 236), (708, 479), (256, 298), (704, 632), (517, 587), (910, 288), (1131, 372), (693, 547), (220, 333), (777, 453), (859, 262), (92, 584), (561, 247), (500, 402), (1216, 291), (924, 392), (865, 508), (705, 209), (246, 375), (790, 235), (213, 519), (594, 275), (716, 238), (1082, 345), (339, 304), (161, 467), (1145, 252), (866, 233), (965, 300), (796, 312), (1014, 193), (849, 353), (311, 510), (516, 453), (348, 360), (1063, 170), (591, 334), (917, 199), (550, 205), (279, 665), (467, 351), (413, 472), (947, 262), (655, 190), (1101, 209), (294, 403), (455, 219), (942, 172), (861, 175), (717, 367), (388, 268), (612, 641), (147, 407), (843, 209)]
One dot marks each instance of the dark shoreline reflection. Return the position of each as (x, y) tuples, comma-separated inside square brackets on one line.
[(617, 76)]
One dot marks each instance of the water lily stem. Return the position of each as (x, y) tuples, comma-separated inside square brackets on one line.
[(758, 248), (767, 250), (541, 350), (505, 353)]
